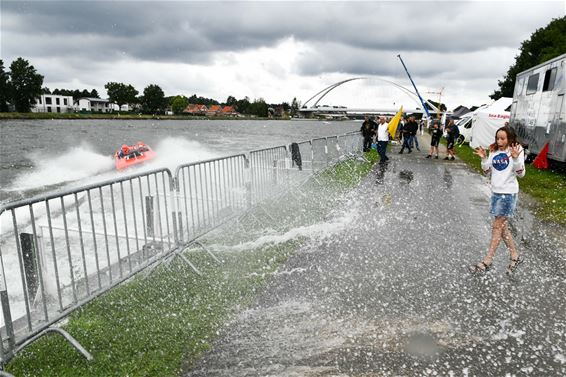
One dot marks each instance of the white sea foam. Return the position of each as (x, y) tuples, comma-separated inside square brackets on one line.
[(318, 232), (82, 165), (172, 152), (76, 163)]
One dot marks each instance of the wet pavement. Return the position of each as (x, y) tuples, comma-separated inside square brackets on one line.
[(390, 295)]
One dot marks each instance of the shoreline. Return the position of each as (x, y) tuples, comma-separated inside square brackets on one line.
[(120, 116)]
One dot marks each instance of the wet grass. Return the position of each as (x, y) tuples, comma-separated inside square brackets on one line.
[(148, 326), (349, 173), (548, 187), (159, 323)]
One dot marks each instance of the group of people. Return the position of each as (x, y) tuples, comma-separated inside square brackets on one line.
[(504, 164), (406, 135), (376, 133), (451, 132)]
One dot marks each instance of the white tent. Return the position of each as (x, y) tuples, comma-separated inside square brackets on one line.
[(487, 120)]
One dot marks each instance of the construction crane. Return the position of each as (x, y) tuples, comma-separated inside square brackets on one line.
[(439, 104), (425, 108)]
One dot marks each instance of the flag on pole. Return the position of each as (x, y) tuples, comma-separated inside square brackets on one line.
[(394, 123)]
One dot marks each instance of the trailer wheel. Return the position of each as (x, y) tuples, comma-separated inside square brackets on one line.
[(460, 140)]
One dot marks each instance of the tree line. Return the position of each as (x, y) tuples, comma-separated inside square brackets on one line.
[(22, 84), (544, 44)]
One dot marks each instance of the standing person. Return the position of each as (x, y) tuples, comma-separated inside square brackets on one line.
[(435, 135), (414, 131), (505, 163), (452, 134), (410, 128), (368, 131), (382, 139), (399, 131)]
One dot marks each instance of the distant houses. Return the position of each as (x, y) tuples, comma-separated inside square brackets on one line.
[(210, 111), (53, 103), (94, 105)]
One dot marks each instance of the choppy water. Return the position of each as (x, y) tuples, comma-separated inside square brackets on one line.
[(40, 155)]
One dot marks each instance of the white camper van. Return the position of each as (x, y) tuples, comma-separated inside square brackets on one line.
[(538, 108)]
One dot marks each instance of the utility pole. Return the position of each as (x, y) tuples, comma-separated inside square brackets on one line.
[(414, 86)]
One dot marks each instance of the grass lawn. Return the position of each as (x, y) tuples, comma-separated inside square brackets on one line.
[(159, 323), (546, 186)]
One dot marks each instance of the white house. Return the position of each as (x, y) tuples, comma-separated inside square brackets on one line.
[(53, 103), (95, 105)]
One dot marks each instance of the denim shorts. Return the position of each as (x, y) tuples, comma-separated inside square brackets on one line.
[(503, 204)]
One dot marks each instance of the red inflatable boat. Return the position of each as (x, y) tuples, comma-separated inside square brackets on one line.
[(131, 155)]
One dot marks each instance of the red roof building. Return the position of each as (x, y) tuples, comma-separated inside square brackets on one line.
[(214, 110), (193, 109)]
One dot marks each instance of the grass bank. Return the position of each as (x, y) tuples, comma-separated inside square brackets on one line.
[(124, 116), (159, 324), (548, 187)]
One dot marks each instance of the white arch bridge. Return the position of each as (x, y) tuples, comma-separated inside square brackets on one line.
[(341, 111)]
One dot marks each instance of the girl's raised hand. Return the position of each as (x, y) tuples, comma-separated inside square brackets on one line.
[(516, 150), (480, 152)]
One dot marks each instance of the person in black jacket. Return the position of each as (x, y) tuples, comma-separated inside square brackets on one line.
[(368, 132), (409, 129), (452, 134), (435, 135)]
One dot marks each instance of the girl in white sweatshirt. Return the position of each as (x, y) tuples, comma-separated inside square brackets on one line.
[(505, 163)]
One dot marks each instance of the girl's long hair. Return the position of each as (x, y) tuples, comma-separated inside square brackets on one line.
[(511, 138)]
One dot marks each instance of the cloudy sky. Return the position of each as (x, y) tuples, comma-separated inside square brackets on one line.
[(276, 50)]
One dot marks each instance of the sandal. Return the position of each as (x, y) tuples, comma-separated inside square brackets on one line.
[(481, 267), (513, 263)]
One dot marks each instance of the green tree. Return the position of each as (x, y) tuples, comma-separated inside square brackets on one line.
[(242, 105), (178, 104), (121, 93), (25, 85), (94, 94), (258, 108), (544, 44), (231, 101), (202, 100), (295, 105), (153, 99), (4, 97)]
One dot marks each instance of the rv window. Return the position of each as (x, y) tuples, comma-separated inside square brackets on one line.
[(549, 78), (532, 85)]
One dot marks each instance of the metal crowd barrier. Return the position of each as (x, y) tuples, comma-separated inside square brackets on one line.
[(61, 250), (209, 193), (265, 167)]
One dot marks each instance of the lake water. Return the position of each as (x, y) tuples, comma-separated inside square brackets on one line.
[(42, 155)]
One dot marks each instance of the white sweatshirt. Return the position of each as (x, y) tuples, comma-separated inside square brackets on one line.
[(504, 171)]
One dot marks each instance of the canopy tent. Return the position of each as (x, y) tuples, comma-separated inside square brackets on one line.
[(487, 120)]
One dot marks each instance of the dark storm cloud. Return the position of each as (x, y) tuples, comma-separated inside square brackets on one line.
[(190, 32)]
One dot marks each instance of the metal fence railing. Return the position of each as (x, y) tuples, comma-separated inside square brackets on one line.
[(265, 168), (61, 250), (208, 193)]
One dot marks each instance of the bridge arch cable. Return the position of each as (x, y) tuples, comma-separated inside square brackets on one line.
[(329, 88)]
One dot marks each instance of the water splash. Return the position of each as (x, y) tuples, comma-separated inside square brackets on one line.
[(76, 163), (172, 152)]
